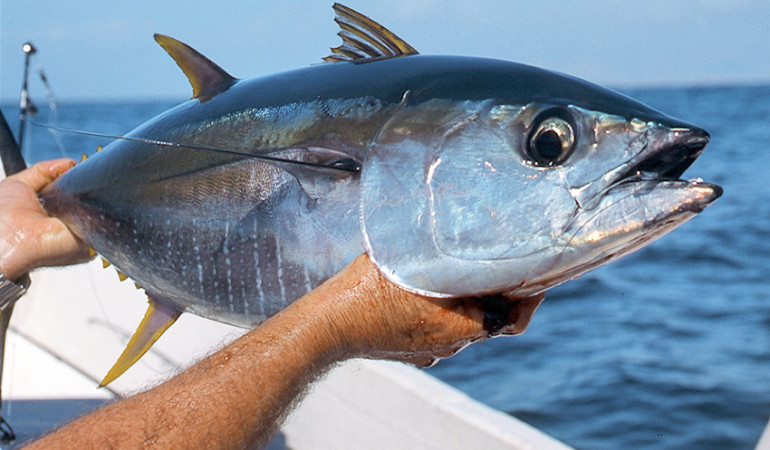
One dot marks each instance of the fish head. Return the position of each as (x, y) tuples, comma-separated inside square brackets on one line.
[(611, 184), (519, 198)]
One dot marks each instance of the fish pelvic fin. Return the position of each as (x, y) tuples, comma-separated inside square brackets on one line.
[(158, 318), (364, 39), (207, 79)]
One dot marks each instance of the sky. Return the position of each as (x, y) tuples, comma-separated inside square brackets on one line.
[(103, 50)]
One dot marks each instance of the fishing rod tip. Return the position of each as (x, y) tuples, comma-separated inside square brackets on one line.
[(28, 48)]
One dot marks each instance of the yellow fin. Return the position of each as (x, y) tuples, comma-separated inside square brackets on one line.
[(105, 263), (98, 148), (91, 252), (207, 79), (84, 157), (363, 38), (157, 319), (121, 275)]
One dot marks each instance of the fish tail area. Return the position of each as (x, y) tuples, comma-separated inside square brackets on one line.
[(158, 318)]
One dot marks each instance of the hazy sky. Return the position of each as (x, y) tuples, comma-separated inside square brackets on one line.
[(102, 49)]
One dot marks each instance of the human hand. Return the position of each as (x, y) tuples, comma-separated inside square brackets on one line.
[(377, 319), (29, 238)]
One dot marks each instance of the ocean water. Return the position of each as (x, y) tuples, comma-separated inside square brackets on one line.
[(666, 348)]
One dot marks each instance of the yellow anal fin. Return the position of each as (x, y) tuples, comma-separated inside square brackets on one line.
[(157, 319)]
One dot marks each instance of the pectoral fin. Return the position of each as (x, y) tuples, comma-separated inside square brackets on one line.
[(159, 316), (316, 169)]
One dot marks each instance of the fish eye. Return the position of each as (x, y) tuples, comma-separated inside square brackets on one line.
[(348, 164), (552, 140)]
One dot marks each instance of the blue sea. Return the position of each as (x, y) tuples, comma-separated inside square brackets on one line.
[(666, 348)]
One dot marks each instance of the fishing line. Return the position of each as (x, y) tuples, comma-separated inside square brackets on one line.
[(59, 143), (340, 168), (52, 105)]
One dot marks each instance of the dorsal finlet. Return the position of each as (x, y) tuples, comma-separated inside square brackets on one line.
[(207, 79), (363, 38)]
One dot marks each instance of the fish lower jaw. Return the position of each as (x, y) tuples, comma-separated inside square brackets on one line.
[(704, 194), (597, 251), (622, 223), (668, 193)]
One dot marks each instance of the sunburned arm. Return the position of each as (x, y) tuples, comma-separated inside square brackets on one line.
[(232, 399), (237, 397)]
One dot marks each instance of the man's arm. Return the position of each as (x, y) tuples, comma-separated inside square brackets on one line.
[(238, 396)]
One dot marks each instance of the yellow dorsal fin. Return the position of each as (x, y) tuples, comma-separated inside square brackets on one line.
[(105, 263), (363, 38), (84, 157), (207, 79), (157, 319), (91, 252), (121, 275)]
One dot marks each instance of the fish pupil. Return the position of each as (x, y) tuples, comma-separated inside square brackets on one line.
[(350, 165), (549, 145)]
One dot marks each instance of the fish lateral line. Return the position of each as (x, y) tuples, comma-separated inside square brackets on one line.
[(335, 168)]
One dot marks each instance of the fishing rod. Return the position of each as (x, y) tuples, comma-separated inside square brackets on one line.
[(10, 152), (48, 91), (13, 162), (25, 103)]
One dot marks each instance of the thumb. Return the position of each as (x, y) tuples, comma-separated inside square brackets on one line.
[(43, 173)]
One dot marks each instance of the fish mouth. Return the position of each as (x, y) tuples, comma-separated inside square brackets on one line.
[(669, 159), (644, 199), (662, 156)]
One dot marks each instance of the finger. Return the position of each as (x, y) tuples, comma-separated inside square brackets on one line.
[(43, 173), (52, 245)]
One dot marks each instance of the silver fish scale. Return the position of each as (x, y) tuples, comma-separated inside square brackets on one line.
[(216, 252)]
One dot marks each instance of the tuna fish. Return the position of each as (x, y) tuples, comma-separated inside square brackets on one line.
[(457, 175)]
